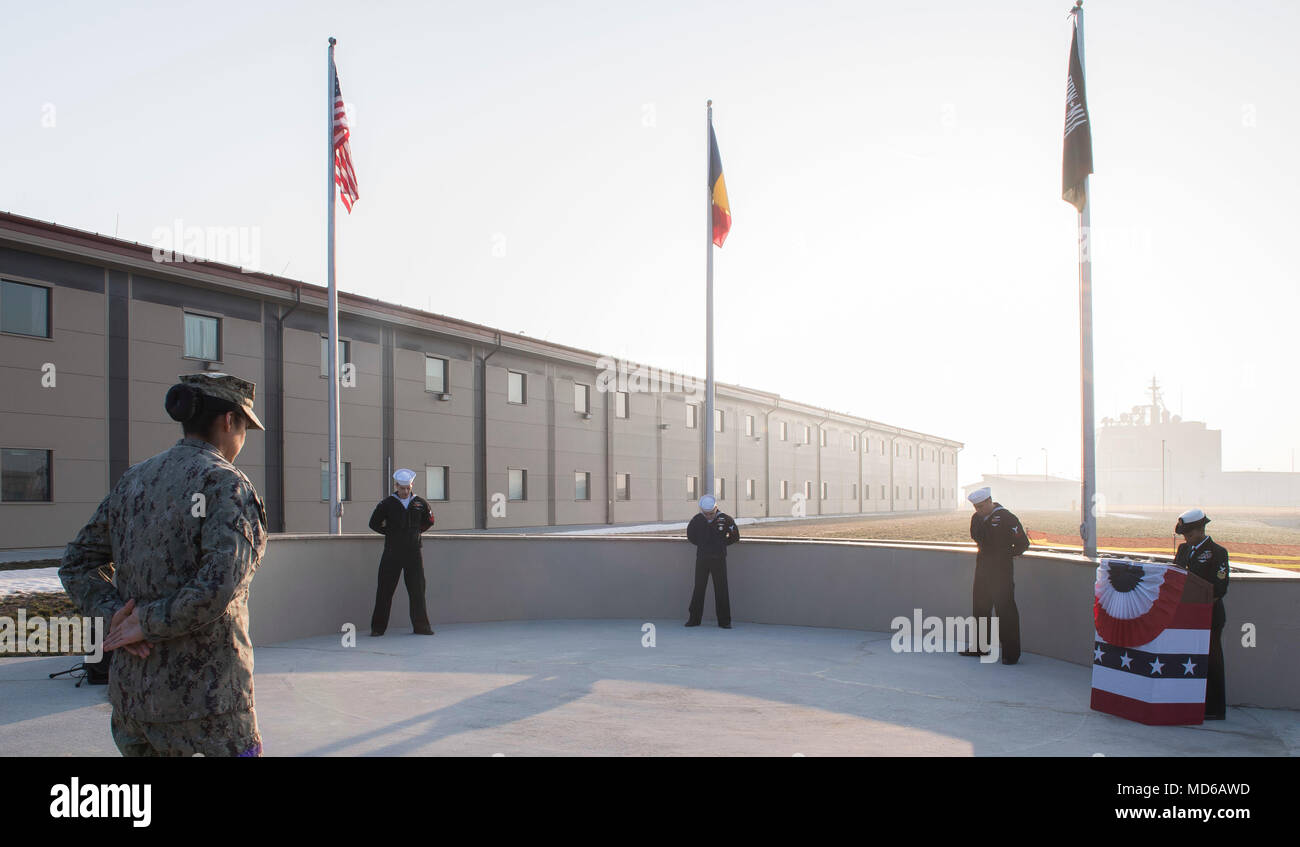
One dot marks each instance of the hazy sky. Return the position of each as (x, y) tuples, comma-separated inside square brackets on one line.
[(899, 249)]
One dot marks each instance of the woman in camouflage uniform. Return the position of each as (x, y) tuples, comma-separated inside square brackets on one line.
[(182, 533)]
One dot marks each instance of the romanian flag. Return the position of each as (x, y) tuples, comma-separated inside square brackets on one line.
[(718, 193)]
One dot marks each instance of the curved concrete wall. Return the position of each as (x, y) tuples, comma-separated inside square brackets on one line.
[(314, 584)]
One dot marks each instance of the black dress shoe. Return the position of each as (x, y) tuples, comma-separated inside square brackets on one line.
[(426, 631), (973, 653), (1216, 717), (1010, 661), (724, 626), (375, 633), (692, 623)]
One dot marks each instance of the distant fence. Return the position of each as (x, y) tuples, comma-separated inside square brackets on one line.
[(314, 584)]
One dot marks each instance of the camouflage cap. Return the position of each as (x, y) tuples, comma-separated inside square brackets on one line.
[(226, 387)]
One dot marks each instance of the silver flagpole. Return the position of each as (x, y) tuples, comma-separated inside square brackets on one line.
[(708, 368), (1088, 529), (336, 510)]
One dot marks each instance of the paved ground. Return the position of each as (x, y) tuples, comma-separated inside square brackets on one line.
[(27, 554), (591, 688)]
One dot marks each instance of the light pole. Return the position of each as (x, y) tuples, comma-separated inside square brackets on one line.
[(997, 468), (1044, 449)]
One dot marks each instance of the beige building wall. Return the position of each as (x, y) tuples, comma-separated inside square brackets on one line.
[(118, 320), (517, 439), (433, 432), (67, 418), (157, 358)]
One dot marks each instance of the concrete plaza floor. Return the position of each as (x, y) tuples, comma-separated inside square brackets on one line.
[(541, 688)]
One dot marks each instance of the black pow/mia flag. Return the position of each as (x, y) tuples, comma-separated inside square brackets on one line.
[(1078, 132)]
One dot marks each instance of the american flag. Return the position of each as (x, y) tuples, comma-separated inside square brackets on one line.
[(1151, 652), (344, 177)]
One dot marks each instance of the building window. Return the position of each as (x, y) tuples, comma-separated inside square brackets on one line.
[(435, 374), (882, 446), (821, 434), (749, 425), (581, 485), (807, 488), (345, 481), (622, 486), (435, 482), (909, 492), (853, 442), (345, 354), (749, 489), (807, 434), (518, 483), (717, 420), (720, 488), (785, 490), (896, 497), (882, 492), (922, 454), (866, 492), (24, 309), (202, 337), (516, 387), (620, 404), (909, 451), (853, 491), (692, 415), (581, 398), (826, 490), (692, 488), (25, 476), (783, 431)]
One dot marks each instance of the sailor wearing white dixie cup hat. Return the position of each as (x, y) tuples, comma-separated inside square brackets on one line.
[(1000, 538), (1201, 556), (711, 531), (401, 517)]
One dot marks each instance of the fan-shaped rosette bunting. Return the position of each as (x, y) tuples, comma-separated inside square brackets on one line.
[(1135, 601)]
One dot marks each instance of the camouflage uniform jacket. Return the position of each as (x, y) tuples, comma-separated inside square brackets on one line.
[(188, 562)]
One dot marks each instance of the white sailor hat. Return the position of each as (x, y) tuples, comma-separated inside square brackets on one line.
[(707, 503), (1190, 519), (979, 495), (404, 476)]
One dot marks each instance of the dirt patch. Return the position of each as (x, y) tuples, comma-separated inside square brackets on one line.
[(31, 565)]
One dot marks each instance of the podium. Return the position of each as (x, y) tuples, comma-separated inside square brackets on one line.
[(1152, 642)]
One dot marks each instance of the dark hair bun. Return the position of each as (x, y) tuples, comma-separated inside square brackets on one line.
[(183, 403)]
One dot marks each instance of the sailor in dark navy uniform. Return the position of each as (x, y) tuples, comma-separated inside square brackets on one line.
[(401, 517), (1000, 538), (711, 531), (1199, 554)]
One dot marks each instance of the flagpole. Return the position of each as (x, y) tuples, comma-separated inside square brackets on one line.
[(1088, 529), (332, 377), (708, 368)]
